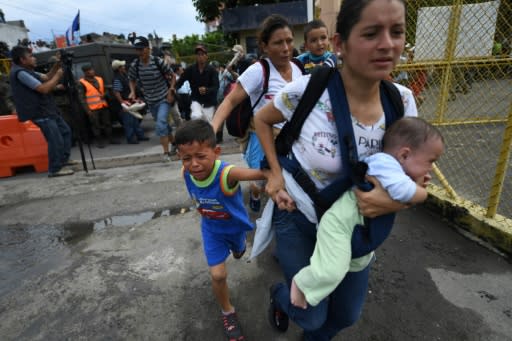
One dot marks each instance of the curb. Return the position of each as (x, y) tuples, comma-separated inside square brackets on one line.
[(497, 231), (136, 159)]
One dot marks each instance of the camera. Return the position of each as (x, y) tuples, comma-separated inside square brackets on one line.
[(66, 57)]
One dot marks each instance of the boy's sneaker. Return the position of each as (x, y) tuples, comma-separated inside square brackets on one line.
[(232, 327), (254, 204), (278, 319)]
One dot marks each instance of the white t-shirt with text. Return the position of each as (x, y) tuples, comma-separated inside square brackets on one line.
[(317, 148), (252, 82)]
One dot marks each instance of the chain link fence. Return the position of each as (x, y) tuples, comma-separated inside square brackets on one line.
[(5, 66), (458, 63), (6, 105)]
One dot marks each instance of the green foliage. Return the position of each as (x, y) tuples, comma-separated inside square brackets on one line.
[(210, 9), (207, 9), (218, 45)]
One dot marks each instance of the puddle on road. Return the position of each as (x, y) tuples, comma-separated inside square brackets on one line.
[(29, 251), (75, 232), (136, 219)]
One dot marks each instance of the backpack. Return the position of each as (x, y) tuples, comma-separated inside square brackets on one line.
[(239, 118), (159, 65)]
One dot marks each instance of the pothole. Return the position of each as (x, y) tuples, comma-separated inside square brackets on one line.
[(31, 250), (136, 219)]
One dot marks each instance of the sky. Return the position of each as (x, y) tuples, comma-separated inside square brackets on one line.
[(165, 17)]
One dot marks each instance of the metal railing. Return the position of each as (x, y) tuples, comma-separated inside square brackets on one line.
[(462, 82)]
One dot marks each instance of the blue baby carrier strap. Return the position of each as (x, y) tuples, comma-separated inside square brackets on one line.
[(372, 234), (368, 237), (346, 137)]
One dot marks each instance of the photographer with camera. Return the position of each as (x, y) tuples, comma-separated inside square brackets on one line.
[(33, 100)]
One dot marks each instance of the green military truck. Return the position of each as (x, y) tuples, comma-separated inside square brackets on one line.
[(100, 55)]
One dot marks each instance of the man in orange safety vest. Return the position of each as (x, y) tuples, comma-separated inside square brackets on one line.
[(96, 106)]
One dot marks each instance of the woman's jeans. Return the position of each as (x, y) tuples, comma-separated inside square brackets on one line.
[(58, 136), (296, 238)]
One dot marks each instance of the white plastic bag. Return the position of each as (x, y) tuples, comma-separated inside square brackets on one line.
[(264, 231)]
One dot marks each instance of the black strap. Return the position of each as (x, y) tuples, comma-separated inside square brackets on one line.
[(299, 65), (291, 130), (394, 97), (158, 65), (266, 76), (137, 63), (393, 109)]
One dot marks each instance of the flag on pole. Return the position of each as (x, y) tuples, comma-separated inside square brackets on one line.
[(70, 32)]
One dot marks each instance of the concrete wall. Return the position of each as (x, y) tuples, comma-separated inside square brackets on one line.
[(11, 33)]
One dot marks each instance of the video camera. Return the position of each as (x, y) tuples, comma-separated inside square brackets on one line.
[(66, 57)]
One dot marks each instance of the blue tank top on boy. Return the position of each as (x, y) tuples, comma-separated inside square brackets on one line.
[(222, 208)]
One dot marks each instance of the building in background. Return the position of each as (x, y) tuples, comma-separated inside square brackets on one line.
[(246, 20), (12, 31)]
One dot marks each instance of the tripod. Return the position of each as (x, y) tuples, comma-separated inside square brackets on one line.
[(77, 119)]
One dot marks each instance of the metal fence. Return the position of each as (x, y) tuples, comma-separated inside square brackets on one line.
[(5, 66), (458, 63)]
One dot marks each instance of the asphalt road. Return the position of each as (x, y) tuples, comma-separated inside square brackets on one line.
[(116, 255)]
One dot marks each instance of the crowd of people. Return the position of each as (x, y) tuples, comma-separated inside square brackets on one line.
[(326, 230), (356, 158), (147, 85)]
